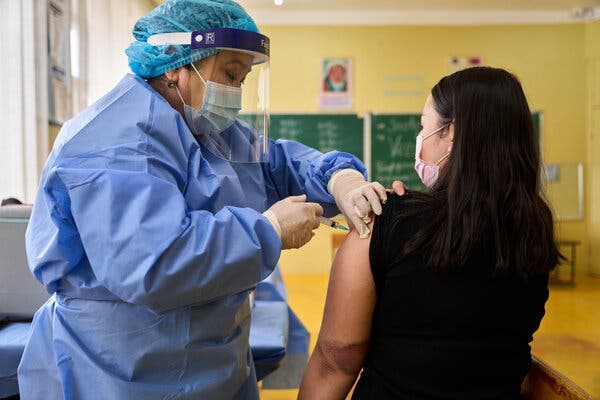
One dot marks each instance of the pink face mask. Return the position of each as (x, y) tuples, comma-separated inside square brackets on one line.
[(428, 171)]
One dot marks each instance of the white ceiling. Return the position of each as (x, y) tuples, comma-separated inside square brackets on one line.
[(416, 12)]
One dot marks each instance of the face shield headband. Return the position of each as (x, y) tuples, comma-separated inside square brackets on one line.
[(220, 39), (216, 124)]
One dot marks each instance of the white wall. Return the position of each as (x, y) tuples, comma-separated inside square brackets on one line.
[(104, 28), (109, 33), (24, 103)]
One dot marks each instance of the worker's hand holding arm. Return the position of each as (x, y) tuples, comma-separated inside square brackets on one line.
[(356, 198)]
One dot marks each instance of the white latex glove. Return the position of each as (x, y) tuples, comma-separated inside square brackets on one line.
[(294, 220), (356, 198)]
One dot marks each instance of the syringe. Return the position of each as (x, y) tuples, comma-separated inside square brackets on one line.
[(333, 224)]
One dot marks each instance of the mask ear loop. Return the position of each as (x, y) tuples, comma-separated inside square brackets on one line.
[(437, 130), (445, 156), (197, 72)]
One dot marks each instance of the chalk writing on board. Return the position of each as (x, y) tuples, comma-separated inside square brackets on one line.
[(399, 147), (391, 171), (324, 132), (393, 148), (328, 136), (290, 129), (405, 124)]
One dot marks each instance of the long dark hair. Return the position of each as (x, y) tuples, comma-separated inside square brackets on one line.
[(488, 194)]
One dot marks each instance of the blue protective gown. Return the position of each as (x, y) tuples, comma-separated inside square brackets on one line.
[(151, 245)]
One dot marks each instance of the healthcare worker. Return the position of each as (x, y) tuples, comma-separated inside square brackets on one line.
[(159, 209)]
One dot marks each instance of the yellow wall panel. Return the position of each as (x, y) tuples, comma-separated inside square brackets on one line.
[(592, 56), (549, 60)]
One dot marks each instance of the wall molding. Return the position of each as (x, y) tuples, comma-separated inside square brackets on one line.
[(281, 16)]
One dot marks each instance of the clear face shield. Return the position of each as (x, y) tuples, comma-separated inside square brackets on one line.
[(228, 110)]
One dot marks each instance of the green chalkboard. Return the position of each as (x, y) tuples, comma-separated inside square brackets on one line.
[(324, 132), (393, 147), (537, 125)]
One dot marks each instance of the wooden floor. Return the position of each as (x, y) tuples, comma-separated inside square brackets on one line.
[(568, 339)]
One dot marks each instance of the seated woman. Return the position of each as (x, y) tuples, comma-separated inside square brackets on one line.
[(442, 302)]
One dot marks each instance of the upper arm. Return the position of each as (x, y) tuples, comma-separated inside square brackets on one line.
[(351, 297)]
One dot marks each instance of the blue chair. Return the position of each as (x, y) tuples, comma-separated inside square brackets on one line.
[(20, 294)]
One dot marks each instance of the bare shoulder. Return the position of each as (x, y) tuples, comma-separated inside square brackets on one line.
[(352, 257), (351, 287)]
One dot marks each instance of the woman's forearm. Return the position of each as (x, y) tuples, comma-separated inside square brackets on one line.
[(331, 372)]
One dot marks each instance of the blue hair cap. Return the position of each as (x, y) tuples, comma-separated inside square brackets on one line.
[(147, 61)]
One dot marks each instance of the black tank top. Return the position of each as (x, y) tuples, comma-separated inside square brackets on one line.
[(452, 335)]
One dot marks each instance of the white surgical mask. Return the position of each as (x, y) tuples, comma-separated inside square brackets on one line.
[(428, 172)]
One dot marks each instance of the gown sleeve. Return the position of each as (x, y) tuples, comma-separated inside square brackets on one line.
[(298, 169), (146, 247)]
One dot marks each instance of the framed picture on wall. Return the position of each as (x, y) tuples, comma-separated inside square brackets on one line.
[(335, 85)]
